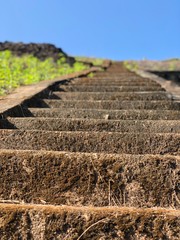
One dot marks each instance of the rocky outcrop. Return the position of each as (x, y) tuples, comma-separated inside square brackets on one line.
[(40, 50)]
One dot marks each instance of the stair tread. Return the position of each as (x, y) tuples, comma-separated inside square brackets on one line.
[(62, 124), (127, 178), (112, 142), (111, 95), (103, 113), (107, 104), (91, 209), (109, 88), (112, 83), (62, 222)]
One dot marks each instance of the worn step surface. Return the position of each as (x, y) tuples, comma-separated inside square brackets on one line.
[(132, 79), (111, 180), (98, 88), (112, 80), (101, 114), (104, 104), (113, 83), (61, 124), (107, 142), (82, 223), (116, 74), (110, 96)]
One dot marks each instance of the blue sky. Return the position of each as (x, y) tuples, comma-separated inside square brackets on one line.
[(116, 29)]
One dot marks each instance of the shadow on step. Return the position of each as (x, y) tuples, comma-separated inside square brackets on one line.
[(5, 124), (36, 102), (17, 111)]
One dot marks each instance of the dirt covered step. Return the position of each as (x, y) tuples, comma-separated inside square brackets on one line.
[(125, 83), (61, 124), (101, 114), (115, 74), (76, 88), (80, 141), (105, 104), (122, 78), (112, 78), (117, 70), (111, 179), (87, 223), (146, 96), (114, 83)]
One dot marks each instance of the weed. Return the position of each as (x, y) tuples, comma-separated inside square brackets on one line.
[(172, 66), (90, 75), (131, 65), (16, 71)]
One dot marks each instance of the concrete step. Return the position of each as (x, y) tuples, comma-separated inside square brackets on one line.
[(104, 104), (60, 124), (111, 78), (115, 74), (113, 83), (19, 221), (113, 69), (111, 179), (76, 88), (146, 96), (101, 114), (107, 142)]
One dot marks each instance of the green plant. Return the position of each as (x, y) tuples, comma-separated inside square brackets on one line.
[(131, 65), (90, 75), (16, 71), (172, 66), (97, 62)]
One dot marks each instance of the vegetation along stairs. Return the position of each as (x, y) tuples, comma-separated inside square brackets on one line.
[(92, 158)]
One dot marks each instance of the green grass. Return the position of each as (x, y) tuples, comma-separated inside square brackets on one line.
[(131, 65), (16, 71), (90, 75), (95, 61)]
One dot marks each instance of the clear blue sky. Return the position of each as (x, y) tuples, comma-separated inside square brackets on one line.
[(115, 29)]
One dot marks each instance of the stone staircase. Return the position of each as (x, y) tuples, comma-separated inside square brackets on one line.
[(96, 159)]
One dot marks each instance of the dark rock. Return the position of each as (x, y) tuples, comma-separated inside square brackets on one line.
[(40, 50)]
